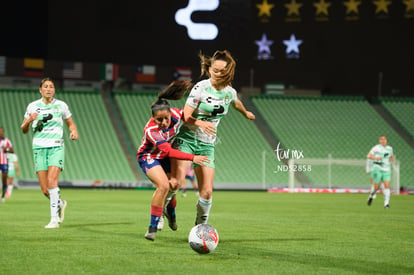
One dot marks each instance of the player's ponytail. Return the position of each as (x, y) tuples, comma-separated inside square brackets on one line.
[(174, 91)]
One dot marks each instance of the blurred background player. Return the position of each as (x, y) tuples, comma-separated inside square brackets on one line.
[(13, 172), (5, 147), (207, 104), (382, 156), (155, 152), (189, 176), (46, 116)]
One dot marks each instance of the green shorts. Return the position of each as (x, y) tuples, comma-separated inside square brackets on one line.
[(11, 173), (196, 148), (379, 175), (45, 157)]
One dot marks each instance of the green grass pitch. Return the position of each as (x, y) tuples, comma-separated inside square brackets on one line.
[(260, 233)]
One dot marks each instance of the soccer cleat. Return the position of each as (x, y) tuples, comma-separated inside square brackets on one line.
[(160, 225), (52, 224), (172, 223), (387, 206), (151, 233), (8, 194), (369, 201), (61, 211), (3, 200)]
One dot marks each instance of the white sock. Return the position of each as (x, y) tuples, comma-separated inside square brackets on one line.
[(54, 203), (10, 189), (203, 210), (387, 195)]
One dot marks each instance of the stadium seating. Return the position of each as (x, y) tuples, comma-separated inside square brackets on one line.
[(97, 155), (403, 110), (341, 127)]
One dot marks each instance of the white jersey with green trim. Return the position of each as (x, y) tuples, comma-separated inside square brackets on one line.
[(48, 132), (12, 158), (210, 105), (385, 153)]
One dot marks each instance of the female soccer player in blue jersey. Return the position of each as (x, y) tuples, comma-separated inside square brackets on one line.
[(155, 152), (46, 116), (207, 104)]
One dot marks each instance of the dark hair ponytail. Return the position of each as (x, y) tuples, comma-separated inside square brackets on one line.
[(175, 91)]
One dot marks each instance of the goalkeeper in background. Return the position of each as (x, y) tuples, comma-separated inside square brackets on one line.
[(382, 156)]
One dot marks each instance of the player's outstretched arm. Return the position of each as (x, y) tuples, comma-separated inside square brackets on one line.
[(238, 105)]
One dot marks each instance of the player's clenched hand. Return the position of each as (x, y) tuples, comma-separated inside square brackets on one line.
[(73, 135), (250, 115), (33, 116)]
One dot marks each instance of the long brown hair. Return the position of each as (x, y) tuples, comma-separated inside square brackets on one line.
[(228, 74), (175, 91)]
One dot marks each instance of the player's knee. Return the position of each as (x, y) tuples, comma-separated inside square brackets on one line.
[(163, 188)]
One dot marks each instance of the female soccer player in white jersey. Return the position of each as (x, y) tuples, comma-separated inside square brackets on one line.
[(46, 116), (207, 104), (382, 155), (155, 152)]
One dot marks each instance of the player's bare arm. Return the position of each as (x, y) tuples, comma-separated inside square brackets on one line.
[(72, 128), (27, 121), (207, 127), (238, 105)]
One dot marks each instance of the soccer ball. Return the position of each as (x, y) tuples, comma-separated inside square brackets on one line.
[(203, 238)]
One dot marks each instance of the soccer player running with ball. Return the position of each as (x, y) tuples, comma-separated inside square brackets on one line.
[(155, 152), (207, 104), (46, 116), (382, 155)]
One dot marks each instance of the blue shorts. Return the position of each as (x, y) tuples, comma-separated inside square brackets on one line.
[(4, 168), (189, 177), (149, 163)]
